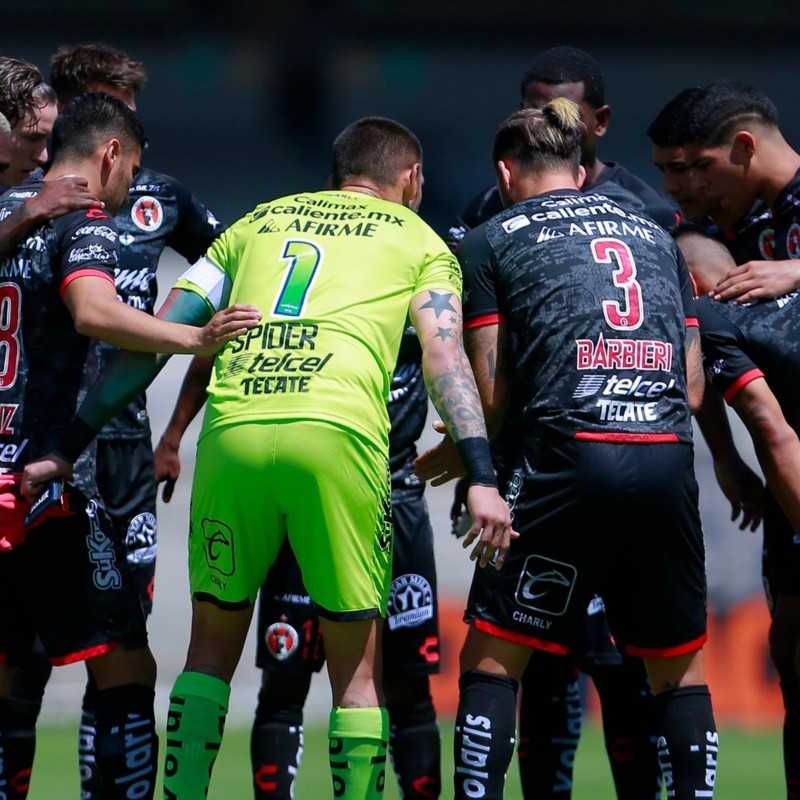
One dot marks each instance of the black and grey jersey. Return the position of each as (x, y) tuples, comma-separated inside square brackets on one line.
[(45, 360), (408, 409), (744, 342), (596, 298), (161, 212)]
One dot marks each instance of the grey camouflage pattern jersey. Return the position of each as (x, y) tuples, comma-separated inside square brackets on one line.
[(44, 365), (161, 212), (596, 298)]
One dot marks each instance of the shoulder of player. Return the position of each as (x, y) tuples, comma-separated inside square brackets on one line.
[(88, 221)]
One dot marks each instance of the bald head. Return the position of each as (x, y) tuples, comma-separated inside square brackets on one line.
[(708, 259)]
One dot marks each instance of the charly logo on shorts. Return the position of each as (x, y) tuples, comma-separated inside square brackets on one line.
[(546, 585), (218, 546), (140, 540), (410, 602), (147, 213), (281, 640)]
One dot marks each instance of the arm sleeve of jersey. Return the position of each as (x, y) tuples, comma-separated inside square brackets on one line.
[(480, 294), (440, 270), (726, 363), (88, 244), (197, 227), (209, 277)]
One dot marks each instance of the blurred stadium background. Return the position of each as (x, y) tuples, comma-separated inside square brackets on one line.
[(243, 101)]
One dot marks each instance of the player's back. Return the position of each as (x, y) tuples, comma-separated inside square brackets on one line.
[(594, 299), (333, 274)]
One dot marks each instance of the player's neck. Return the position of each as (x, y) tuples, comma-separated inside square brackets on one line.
[(783, 163)]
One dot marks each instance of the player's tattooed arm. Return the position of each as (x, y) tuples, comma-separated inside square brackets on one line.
[(695, 377), (449, 378), (488, 351)]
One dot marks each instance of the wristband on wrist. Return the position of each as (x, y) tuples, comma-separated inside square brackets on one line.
[(477, 460), (74, 440)]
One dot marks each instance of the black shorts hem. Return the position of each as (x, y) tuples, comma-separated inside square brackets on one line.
[(348, 616)]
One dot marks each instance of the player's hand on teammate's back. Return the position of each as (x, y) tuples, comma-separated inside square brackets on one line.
[(37, 473), (167, 462), (758, 280), (491, 526), (441, 463), (61, 196), (224, 326)]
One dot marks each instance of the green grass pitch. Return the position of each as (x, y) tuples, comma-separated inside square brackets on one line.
[(750, 767)]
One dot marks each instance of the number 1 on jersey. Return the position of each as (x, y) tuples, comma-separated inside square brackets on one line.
[(303, 258)]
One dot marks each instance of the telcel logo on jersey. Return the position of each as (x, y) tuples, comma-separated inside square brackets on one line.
[(289, 372)]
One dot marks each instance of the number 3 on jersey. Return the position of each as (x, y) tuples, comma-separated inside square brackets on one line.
[(303, 258), (625, 316)]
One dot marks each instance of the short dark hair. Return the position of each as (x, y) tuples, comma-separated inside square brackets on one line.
[(568, 65), (22, 89), (72, 68), (670, 127), (722, 107), (88, 121), (541, 139), (374, 147)]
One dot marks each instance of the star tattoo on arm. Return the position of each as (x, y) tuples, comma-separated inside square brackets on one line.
[(439, 302), (445, 333)]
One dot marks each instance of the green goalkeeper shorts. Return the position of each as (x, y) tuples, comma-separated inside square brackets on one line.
[(323, 487)]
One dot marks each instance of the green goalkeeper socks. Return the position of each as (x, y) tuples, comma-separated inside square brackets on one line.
[(197, 708), (358, 738)]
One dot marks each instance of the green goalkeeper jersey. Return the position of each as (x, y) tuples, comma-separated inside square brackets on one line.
[(333, 274)]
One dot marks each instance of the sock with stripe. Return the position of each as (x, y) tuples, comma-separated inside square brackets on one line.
[(198, 706)]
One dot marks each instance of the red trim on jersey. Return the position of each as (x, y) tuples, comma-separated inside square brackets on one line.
[(692, 322), (83, 655), (627, 438), (667, 652), (742, 381), (520, 638), (481, 322), (84, 273)]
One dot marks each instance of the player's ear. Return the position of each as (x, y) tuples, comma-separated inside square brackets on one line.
[(112, 152), (744, 147), (580, 177), (602, 117)]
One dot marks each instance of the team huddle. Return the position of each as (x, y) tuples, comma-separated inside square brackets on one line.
[(567, 328)]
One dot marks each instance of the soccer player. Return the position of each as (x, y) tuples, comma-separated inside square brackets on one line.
[(289, 641), (29, 105), (598, 321), (61, 576), (160, 212), (297, 414), (748, 238), (735, 150), (752, 356), (550, 707)]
